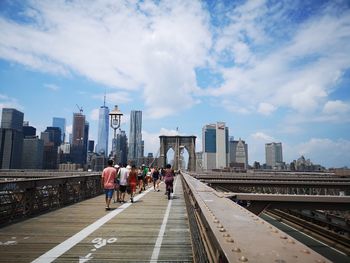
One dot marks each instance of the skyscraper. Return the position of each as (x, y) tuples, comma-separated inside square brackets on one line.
[(33, 153), (209, 147), (78, 128), (215, 146), (60, 123), (91, 144), (12, 119), (103, 129), (11, 139), (51, 138), (120, 146), (28, 131), (238, 154), (78, 138), (86, 141), (135, 136), (273, 153), (222, 149), (55, 135)]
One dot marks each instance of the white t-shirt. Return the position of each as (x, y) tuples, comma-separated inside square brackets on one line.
[(124, 174)]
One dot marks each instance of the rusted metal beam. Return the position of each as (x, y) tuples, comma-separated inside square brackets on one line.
[(237, 235), (342, 184), (257, 203), (206, 178)]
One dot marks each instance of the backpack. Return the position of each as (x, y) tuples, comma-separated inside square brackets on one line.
[(168, 178)]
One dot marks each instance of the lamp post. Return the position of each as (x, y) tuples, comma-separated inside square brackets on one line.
[(115, 118)]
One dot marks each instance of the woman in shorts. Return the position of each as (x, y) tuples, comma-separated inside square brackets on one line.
[(132, 181)]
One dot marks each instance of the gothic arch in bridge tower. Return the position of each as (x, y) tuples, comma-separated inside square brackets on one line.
[(176, 142)]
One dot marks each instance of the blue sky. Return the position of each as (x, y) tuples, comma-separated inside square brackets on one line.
[(272, 70)]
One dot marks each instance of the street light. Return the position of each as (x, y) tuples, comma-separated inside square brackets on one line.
[(115, 117)]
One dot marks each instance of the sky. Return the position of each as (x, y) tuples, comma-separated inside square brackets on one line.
[(273, 71)]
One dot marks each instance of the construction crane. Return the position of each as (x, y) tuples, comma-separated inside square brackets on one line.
[(80, 109)]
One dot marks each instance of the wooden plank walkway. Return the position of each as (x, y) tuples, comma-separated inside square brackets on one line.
[(152, 229)]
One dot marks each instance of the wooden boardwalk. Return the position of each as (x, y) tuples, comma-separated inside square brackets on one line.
[(152, 229)]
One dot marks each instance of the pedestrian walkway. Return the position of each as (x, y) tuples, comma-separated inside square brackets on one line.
[(152, 229)]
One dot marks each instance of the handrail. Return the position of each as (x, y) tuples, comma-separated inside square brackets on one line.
[(24, 198), (233, 234)]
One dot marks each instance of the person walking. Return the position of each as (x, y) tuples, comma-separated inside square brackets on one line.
[(123, 182), (132, 180), (140, 179), (116, 188), (155, 176), (108, 182), (144, 176), (169, 179)]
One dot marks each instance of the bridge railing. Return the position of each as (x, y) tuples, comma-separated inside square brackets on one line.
[(28, 197), (223, 231)]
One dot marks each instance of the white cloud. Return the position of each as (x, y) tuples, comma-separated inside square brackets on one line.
[(9, 102), (149, 48), (155, 52), (256, 146), (94, 114), (336, 112), (262, 137), (266, 108), (52, 87), (167, 132), (114, 98), (152, 142), (323, 151), (231, 106), (296, 72), (336, 107)]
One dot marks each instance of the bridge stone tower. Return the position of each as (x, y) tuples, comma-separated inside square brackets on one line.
[(176, 142)]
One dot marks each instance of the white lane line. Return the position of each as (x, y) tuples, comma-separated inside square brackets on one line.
[(159, 241), (62, 248)]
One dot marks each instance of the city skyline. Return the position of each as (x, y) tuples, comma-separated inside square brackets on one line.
[(272, 71)]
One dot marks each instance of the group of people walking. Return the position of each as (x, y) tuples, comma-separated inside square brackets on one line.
[(121, 179)]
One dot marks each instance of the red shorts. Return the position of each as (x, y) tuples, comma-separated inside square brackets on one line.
[(133, 187)]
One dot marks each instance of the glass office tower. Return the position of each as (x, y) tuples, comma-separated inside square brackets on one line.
[(11, 139), (60, 123), (135, 136), (273, 153), (215, 146), (103, 130)]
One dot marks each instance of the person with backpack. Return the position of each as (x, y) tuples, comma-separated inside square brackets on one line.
[(155, 176), (169, 179)]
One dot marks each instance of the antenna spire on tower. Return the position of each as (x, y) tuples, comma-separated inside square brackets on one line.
[(104, 99)]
